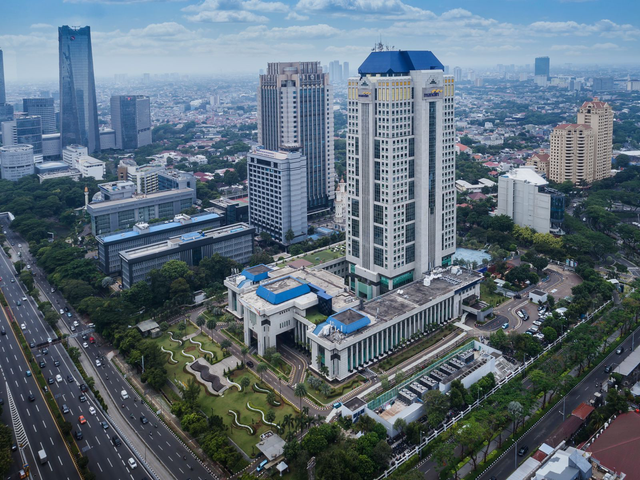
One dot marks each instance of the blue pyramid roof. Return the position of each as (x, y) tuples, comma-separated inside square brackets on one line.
[(400, 61)]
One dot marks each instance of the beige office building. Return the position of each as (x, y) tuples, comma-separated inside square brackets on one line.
[(599, 116), (572, 153), (583, 151)]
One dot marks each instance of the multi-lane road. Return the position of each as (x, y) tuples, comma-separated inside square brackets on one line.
[(154, 439)]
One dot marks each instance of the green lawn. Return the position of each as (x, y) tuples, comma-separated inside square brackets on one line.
[(335, 392), (493, 299), (313, 315)]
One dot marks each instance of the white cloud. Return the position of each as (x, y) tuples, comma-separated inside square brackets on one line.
[(596, 46), (357, 8), (296, 16), (121, 2), (224, 11), (41, 26)]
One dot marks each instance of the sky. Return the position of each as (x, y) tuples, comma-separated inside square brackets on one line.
[(240, 36)]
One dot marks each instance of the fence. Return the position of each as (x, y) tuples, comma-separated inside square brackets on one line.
[(425, 441)]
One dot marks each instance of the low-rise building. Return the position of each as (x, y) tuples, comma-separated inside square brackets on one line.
[(233, 241), (91, 167), (540, 161), (109, 246), (523, 197), (340, 330)]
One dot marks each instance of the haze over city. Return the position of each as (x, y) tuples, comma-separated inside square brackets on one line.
[(234, 36)]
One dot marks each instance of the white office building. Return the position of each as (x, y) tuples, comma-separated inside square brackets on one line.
[(521, 196), (277, 189), (16, 161), (400, 170), (91, 167), (72, 153), (295, 106)]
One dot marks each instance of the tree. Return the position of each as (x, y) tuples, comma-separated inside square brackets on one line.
[(271, 398), (436, 406), (74, 354), (266, 237), (260, 258), (244, 383), (261, 368), (542, 383), (270, 416), (225, 344), (201, 321), (191, 392), (550, 335), (5, 449), (276, 359), (211, 324), (445, 457), (468, 436), (515, 410), (399, 425), (300, 391), (325, 389), (289, 236)]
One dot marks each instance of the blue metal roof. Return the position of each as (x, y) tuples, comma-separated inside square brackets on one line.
[(159, 227), (276, 298), (400, 61), (353, 326), (256, 273)]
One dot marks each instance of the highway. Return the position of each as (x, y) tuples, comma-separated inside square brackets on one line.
[(157, 439), (581, 393), (105, 459)]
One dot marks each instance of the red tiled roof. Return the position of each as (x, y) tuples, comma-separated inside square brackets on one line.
[(583, 411), (539, 456), (617, 447), (477, 196), (543, 157), (463, 148)]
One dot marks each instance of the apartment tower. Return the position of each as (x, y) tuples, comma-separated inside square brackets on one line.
[(295, 106), (599, 116), (572, 153), (78, 109), (400, 170)]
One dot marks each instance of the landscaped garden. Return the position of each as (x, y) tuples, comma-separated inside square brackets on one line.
[(323, 393)]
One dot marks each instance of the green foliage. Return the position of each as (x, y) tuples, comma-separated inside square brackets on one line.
[(5, 449)]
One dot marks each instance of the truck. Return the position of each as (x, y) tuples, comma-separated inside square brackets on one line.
[(42, 456)]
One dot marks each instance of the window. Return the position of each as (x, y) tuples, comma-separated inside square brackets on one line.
[(412, 147), (410, 214), (355, 208), (410, 253), (411, 190), (355, 227), (378, 235), (378, 256), (378, 214), (411, 168), (376, 169), (355, 248), (376, 192), (376, 149), (410, 233)]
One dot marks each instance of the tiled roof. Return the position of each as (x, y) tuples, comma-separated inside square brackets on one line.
[(617, 446)]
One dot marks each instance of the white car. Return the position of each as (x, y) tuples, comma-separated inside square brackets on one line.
[(98, 363), (61, 311), (28, 267), (76, 324), (132, 463), (520, 314), (85, 345), (24, 299), (537, 323), (539, 336), (19, 245), (23, 326), (92, 410), (533, 328), (58, 378), (49, 339)]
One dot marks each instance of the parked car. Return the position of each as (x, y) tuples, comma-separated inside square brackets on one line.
[(520, 313), (505, 325)]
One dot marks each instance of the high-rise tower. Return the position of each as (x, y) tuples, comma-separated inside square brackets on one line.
[(542, 66), (43, 107), (295, 106), (131, 120), (401, 170), (599, 116), (6, 111), (78, 109)]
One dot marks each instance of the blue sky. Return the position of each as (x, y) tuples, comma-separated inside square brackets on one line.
[(230, 36)]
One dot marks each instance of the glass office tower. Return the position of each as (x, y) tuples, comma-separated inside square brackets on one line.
[(78, 110)]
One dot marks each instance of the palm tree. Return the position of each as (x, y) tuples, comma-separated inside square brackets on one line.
[(244, 352), (211, 324), (287, 421), (261, 368), (325, 389), (300, 391), (201, 321)]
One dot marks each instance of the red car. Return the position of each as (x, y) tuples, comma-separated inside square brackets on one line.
[(82, 420)]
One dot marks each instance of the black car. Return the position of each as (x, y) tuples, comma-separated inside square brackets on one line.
[(1, 401), (70, 379), (14, 447), (65, 409), (42, 364), (56, 362), (144, 420), (32, 397), (608, 368), (84, 336), (523, 451), (32, 344), (66, 309), (105, 425), (250, 364), (45, 351), (82, 398), (83, 387), (79, 435), (116, 441), (50, 380)]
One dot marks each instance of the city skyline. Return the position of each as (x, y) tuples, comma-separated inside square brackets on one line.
[(215, 37)]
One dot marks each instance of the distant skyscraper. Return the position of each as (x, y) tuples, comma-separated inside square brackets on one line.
[(401, 170), (602, 84), (131, 120), (345, 71), (24, 130), (78, 109), (335, 72), (146, 77), (43, 107), (6, 111), (542, 66), (295, 106), (457, 74)]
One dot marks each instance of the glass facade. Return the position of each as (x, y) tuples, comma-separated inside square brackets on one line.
[(78, 109)]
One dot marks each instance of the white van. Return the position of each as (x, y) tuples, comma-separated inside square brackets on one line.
[(124, 395)]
